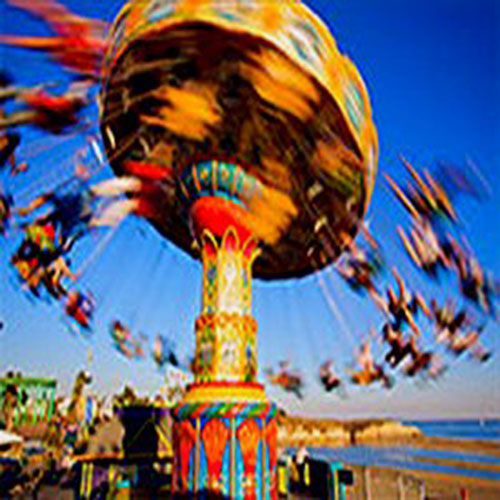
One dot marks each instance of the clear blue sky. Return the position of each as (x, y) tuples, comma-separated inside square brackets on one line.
[(432, 69)]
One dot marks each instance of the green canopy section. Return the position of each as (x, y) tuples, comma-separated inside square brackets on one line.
[(31, 400)]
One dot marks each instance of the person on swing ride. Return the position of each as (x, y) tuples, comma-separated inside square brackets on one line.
[(370, 372), (79, 43), (42, 234), (163, 352), (400, 348), (451, 180), (476, 285), (142, 196), (80, 307), (329, 379), (287, 380), (71, 210), (359, 268), (436, 369), (422, 200), (73, 205), (53, 275), (52, 113), (462, 342), (447, 321), (6, 202), (9, 91), (49, 274), (125, 343), (402, 308), (120, 333), (37, 250), (421, 362), (125, 349), (158, 351), (26, 262), (9, 141), (18, 168), (138, 346), (5, 83), (39, 259), (424, 248)]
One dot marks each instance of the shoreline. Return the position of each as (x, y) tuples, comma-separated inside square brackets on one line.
[(387, 482), (316, 433), (476, 446), (449, 480), (473, 447)]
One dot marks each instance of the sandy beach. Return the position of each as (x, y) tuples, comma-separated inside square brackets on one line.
[(373, 482), (378, 483), (398, 484), (460, 445)]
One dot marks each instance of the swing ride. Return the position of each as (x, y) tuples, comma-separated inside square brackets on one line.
[(239, 131), (242, 111)]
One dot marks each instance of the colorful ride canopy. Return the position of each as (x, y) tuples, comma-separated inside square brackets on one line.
[(248, 101)]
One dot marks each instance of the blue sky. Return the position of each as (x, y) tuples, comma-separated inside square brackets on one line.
[(432, 69)]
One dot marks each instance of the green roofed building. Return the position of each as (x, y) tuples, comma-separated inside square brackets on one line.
[(26, 400)]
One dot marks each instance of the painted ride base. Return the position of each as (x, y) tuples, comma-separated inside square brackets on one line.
[(225, 442)]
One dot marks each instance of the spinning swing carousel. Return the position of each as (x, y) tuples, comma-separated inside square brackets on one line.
[(253, 138), (251, 146)]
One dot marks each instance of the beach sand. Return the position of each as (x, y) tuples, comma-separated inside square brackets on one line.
[(374, 483), (459, 445)]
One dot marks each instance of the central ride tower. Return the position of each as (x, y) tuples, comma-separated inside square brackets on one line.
[(253, 138)]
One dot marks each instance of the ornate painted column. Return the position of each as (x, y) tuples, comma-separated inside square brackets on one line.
[(225, 330), (224, 429)]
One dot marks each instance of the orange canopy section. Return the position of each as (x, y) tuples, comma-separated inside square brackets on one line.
[(260, 84)]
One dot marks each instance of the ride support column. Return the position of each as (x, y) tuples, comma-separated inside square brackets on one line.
[(225, 429)]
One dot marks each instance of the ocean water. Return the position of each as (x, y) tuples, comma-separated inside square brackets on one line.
[(459, 429), (485, 466)]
